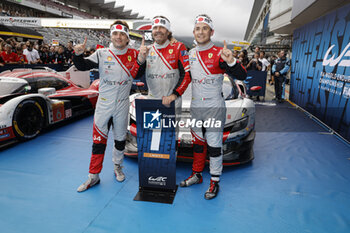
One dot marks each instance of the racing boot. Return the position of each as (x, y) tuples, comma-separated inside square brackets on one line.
[(119, 174), (212, 190), (92, 180), (195, 178)]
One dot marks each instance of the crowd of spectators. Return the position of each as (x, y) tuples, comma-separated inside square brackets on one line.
[(62, 7), (29, 52), (259, 61), (14, 10)]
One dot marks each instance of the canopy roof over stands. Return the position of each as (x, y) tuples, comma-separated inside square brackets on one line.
[(100, 8), (12, 31)]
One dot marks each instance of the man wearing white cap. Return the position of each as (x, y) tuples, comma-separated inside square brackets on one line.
[(117, 67), (165, 64), (208, 63)]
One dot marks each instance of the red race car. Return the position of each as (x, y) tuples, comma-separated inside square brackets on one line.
[(31, 100)]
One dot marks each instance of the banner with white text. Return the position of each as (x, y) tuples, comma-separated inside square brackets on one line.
[(320, 75)]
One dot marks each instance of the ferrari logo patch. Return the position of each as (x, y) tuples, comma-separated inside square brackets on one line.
[(210, 55), (129, 58), (152, 53), (171, 51), (109, 58)]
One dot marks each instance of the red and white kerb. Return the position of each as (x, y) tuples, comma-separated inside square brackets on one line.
[(206, 20), (120, 28), (161, 22)]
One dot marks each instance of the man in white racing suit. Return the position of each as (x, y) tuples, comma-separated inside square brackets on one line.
[(165, 64), (117, 67), (208, 63)]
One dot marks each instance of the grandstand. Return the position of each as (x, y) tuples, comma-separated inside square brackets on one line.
[(66, 9), (63, 35), (82, 9)]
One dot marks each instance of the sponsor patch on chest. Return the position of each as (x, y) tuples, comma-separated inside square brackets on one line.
[(109, 63), (193, 57)]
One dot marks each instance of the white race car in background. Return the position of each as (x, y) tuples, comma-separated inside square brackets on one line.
[(31, 100), (239, 133)]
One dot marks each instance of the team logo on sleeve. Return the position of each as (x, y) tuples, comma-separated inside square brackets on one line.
[(210, 55), (109, 58), (171, 51), (129, 58)]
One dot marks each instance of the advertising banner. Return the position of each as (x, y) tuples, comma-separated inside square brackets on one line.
[(156, 145), (320, 74), (71, 23), (20, 21)]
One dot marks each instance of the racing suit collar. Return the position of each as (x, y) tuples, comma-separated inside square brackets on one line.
[(158, 46), (118, 51), (205, 47)]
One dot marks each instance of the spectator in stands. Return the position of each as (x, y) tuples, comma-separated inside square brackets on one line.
[(11, 41), (69, 52), (21, 58), (36, 46), (2, 46), (3, 12), (31, 53), (52, 54), (254, 63), (23, 45), (257, 49), (59, 56), (272, 62), (265, 63), (8, 56), (235, 54), (243, 57), (44, 54)]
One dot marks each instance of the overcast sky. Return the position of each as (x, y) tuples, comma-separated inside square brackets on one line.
[(230, 17)]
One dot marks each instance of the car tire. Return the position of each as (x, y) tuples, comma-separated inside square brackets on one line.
[(28, 119)]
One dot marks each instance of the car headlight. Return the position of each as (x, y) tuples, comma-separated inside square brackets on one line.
[(237, 125)]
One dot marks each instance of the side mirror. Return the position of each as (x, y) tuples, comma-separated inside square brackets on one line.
[(47, 91)]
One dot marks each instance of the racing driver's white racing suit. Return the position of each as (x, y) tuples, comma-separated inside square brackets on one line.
[(117, 69), (207, 69), (167, 71)]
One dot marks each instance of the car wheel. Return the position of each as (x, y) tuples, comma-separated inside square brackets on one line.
[(28, 119)]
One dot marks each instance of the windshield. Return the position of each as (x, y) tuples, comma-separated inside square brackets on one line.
[(12, 85)]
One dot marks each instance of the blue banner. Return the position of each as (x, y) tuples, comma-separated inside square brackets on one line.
[(156, 144), (320, 74), (256, 78)]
